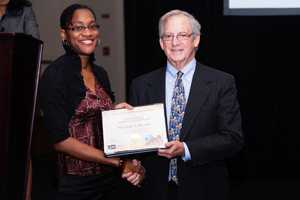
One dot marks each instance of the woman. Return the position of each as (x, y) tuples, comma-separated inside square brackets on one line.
[(18, 16), (73, 92)]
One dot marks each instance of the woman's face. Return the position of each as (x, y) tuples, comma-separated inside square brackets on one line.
[(82, 34)]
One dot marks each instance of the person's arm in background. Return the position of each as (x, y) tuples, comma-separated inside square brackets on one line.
[(30, 24)]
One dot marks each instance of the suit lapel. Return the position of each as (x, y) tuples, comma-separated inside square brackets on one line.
[(157, 87), (198, 94)]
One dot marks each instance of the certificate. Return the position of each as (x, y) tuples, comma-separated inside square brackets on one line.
[(141, 129)]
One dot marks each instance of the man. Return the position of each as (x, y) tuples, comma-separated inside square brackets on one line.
[(204, 121)]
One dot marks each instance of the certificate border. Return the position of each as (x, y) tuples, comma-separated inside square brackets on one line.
[(138, 151)]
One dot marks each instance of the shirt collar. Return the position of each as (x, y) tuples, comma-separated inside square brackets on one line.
[(186, 69)]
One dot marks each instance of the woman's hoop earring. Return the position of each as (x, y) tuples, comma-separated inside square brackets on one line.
[(98, 42)]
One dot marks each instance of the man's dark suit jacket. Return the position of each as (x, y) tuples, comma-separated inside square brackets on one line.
[(211, 129)]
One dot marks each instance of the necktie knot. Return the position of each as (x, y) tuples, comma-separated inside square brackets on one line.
[(179, 74)]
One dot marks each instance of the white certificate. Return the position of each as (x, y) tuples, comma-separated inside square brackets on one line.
[(141, 129)]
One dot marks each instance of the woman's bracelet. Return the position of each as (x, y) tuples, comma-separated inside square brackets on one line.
[(121, 164)]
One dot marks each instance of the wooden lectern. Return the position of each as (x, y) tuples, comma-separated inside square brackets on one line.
[(20, 58)]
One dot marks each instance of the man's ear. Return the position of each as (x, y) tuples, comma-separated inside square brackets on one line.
[(196, 41), (161, 44)]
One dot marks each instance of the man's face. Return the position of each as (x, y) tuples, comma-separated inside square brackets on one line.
[(178, 42)]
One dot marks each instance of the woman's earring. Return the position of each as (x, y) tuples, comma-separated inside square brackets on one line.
[(65, 43), (98, 42)]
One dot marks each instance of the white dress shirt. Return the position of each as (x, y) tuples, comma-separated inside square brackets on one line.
[(171, 75)]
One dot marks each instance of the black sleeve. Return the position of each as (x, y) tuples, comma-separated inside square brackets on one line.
[(53, 105), (136, 92), (132, 99), (229, 138)]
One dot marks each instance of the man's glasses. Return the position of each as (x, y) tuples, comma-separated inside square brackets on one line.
[(81, 28), (178, 36)]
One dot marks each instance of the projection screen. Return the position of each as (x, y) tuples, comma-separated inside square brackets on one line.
[(261, 7)]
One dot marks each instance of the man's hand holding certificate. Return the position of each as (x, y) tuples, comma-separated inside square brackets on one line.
[(130, 131)]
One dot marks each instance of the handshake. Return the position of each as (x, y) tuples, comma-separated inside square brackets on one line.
[(132, 171)]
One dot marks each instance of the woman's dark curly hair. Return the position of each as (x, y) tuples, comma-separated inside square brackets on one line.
[(67, 14), (17, 5)]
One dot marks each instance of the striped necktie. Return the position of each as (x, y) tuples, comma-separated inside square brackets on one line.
[(175, 123)]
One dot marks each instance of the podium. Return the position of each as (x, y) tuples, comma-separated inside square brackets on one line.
[(20, 59)]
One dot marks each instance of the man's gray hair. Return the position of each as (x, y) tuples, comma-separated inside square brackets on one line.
[(196, 26)]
